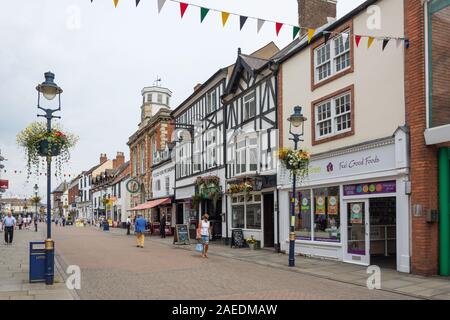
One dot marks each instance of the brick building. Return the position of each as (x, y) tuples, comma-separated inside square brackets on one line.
[(427, 86)]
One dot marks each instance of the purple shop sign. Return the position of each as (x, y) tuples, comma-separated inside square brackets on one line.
[(370, 188)]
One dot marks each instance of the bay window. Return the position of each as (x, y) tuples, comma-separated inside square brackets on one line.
[(246, 211)]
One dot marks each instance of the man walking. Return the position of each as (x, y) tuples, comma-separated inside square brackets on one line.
[(139, 229), (163, 226), (128, 225), (9, 223)]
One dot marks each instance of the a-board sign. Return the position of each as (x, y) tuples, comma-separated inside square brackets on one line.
[(181, 235), (237, 238)]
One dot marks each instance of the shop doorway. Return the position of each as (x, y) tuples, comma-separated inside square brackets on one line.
[(383, 232), (268, 207), (180, 213), (214, 209), (357, 244)]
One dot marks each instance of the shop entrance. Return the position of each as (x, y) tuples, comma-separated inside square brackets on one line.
[(371, 232), (180, 213), (214, 209), (269, 234)]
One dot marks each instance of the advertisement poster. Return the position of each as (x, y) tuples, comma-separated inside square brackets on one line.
[(370, 188), (356, 212), (305, 206), (333, 205), (320, 205)]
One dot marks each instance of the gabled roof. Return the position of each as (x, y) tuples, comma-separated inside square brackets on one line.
[(61, 188)]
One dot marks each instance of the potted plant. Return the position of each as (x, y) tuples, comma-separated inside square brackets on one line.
[(37, 142), (251, 243)]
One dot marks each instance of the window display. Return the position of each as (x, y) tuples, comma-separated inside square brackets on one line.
[(303, 215), (326, 215), (246, 211)]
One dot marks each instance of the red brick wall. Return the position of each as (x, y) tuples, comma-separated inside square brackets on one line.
[(314, 13), (424, 175), (73, 193)]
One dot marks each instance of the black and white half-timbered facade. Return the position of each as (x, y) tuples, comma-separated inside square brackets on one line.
[(251, 148), (199, 154)]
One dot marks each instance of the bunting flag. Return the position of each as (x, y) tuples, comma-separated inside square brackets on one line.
[(326, 36), (137, 2), (116, 2), (278, 27), (225, 16), (183, 7), (357, 40), (260, 24), (295, 32), (385, 43), (203, 13), (242, 21), (345, 36), (161, 5), (399, 43), (370, 42), (311, 33)]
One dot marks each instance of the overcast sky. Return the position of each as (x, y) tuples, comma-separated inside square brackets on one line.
[(103, 57)]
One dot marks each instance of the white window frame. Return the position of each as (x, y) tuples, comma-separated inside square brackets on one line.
[(248, 101), (333, 57), (211, 149), (242, 199), (167, 185), (197, 153), (160, 98), (243, 149), (149, 97), (333, 116), (211, 101)]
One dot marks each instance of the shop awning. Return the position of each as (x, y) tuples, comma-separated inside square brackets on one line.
[(151, 204)]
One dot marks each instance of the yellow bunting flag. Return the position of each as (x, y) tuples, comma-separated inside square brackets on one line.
[(311, 33), (116, 2), (370, 42), (225, 16)]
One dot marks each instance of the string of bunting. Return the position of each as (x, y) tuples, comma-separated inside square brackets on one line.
[(40, 173), (311, 32)]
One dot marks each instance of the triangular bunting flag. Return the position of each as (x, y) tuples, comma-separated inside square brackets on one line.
[(278, 27), (137, 2), (399, 42), (295, 32), (225, 16), (385, 43), (242, 21), (311, 33), (260, 24), (183, 7), (116, 2), (161, 5), (345, 36), (370, 42), (326, 36), (357, 40), (203, 13)]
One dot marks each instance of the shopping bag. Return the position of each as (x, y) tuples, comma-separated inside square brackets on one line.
[(199, 247)]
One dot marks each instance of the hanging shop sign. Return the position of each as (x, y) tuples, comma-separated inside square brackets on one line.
[(370, 188), (133, 186)]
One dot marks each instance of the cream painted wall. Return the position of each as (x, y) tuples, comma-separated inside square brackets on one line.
[(378, 78), (106, 165)]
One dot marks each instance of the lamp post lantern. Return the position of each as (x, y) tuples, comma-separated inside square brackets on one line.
[(297, 121), (36, 188), (49, 89)]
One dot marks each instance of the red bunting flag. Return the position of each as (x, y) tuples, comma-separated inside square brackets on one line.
[(357, 40), (183, 7), (278, 27)]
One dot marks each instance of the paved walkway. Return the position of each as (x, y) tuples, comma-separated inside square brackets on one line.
[(391, 280), (14, 272)]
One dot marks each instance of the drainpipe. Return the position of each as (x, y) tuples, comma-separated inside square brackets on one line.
[(444, 209)]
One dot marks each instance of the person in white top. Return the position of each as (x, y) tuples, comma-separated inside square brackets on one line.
[(9, 223), (128, 225), (203, 233)]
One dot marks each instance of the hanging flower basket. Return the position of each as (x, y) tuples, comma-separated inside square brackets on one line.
[(296, 161), (38, 142)]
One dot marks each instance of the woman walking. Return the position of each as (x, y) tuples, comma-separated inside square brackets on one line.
[(204, 232)]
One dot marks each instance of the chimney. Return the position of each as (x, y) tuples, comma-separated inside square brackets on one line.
[(103, 158), (315, 13), (197, 86), (119, 160)]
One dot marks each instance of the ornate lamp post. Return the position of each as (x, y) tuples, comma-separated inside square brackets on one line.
[(49, 90), (297, 121)]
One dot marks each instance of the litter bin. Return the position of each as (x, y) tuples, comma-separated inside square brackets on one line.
[(105, 226), (37, 262)]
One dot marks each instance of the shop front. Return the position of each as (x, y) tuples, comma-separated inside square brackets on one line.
[(157, 213), (185, 210), (353, 206), (251, 202)]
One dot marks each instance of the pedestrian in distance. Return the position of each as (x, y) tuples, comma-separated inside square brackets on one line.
[(204, 233), (162, 226), (140, 226), (35, 224), (9, 223), (20, 222), (128, 225)]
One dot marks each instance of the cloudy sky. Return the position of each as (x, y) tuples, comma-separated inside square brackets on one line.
[(103, 57)]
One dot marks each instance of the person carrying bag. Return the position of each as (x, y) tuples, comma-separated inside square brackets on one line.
[(203, 234)]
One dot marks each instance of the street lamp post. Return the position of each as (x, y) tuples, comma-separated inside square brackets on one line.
[(49, 90), (296, 120)]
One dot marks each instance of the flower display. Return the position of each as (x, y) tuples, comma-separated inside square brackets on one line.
[(240, 187), (251, 240), (297, 161), (37, 142)]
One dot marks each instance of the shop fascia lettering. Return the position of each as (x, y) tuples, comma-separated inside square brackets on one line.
[(365, 161)]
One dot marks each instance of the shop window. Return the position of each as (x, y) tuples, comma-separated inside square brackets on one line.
[(326, 214), (246, 211), (303, 215), (238, 216)]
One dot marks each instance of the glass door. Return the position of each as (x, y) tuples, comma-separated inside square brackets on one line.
[(358, 231)]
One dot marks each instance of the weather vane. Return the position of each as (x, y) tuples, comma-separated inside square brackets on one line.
[(157, 82)]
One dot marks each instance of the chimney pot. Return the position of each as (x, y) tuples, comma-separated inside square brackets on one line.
[(315, 13)]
